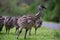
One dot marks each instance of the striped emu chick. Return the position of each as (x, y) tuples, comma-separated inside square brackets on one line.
[(10, 22), (25, 22), (37, 25), (1, 22), (28, 21)]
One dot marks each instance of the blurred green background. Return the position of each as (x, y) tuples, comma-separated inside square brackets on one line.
[(22, 7)]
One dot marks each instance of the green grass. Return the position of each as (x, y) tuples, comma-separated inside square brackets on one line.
[(42, 34)]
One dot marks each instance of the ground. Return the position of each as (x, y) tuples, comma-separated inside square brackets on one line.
[(42, 34)]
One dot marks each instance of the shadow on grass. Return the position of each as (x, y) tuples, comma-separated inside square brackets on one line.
[(57, 35), (28, 38), (7, 34)]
